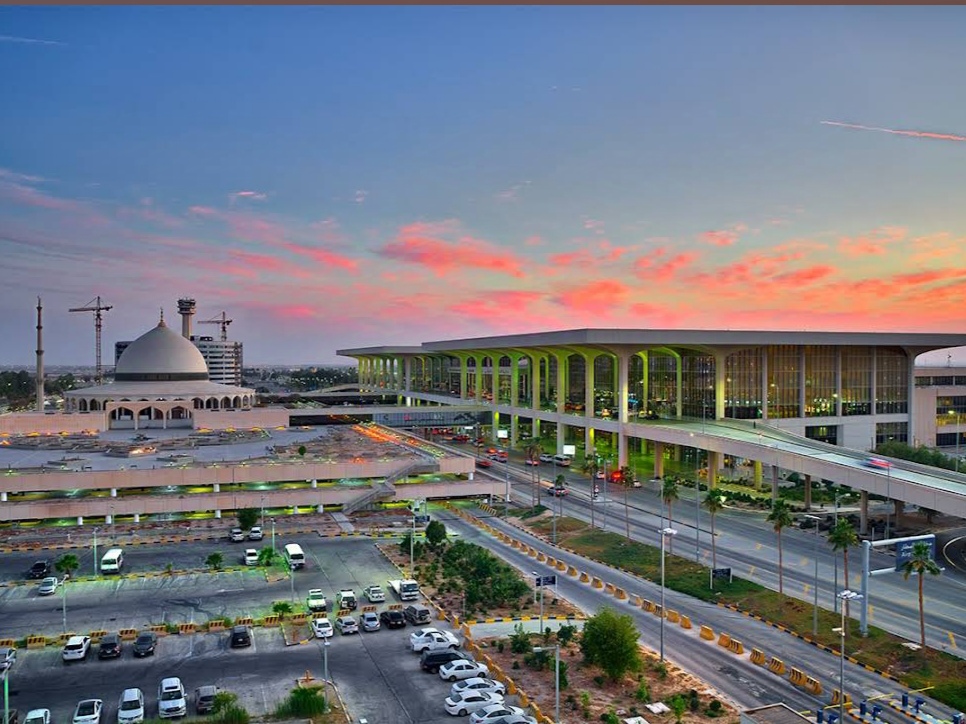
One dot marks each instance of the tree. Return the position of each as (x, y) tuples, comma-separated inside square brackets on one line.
[(921, 563), (281, 608), (435, 533), (247, 518), (215, 561), (609, 641), (266, 556), (841, 538), (780, 517), (67, 564), (669, 493), (714, 501)]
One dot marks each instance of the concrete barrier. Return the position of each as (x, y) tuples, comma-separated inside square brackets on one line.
[(735, 647), (96, 635), (758, 657), (657, 610), (636, 600), (36, 642), (186, 628), (797, 677), (216, 625), (8, 643), (814, 686), (685, 622), (609, 588), (244, 621), (551, 561), (128, 634), (776, 666), (395, 607), (837, 697), (584, 578), (524, 701), (271, 619), (300, 618), (647, 605), (560, 566), (541, 557), (369, 609), (724, 640), (673, 616), (63, 638), (532, 552), (597, 583), (514, 543), (572, 571), (159, 628), (536, 711), (511, 688), (706, 633), (620, 594)]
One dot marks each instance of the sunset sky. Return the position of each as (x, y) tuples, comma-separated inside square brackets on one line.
[(337, 177)]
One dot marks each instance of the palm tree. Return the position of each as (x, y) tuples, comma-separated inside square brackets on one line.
[(532, 448), (266, 556), (842, 537), (67, 564), (215, 561), (921, 563), (669, 493), (780, 517), (714, 501)]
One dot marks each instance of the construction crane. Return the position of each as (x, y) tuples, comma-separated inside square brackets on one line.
[(95, 306), (223, 321)]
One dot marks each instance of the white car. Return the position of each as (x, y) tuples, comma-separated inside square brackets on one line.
[(463, 704), (545, 458), (48, 586), (478, 683), (37, 716), (88, 711), (171, 698), (432, 639), (8, 657), (251, 557), (462, 669), (237, 535), (316, 600), (255, 533), (322, 628), (346, 625), (130, 707), (76, 649), (492, 713), (375, 594)]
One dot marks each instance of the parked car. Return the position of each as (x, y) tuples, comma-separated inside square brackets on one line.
[(531, 461), (431, 639), (255, 533), (145, 644), (37, 716), (251, 557), (374, 594), (546, 458), (417, 614), (130, 707), (109, 646), (205, 699), (76, 649), (369, 621), (431, 660), (322, 628), (88, 711), (48, 586), (315, 601), (236, 535), (467, 703), (346, 625), (514, 719), (171, 698), (39, 570), (478, 683), (392, 619), (491, 714), (456, 670), (241, 636), (8, 657)]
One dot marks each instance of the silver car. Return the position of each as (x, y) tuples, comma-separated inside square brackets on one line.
[(370, 621), (48, 586), (346, 625)]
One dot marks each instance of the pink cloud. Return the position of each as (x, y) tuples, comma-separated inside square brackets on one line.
[(500, 307), (324, 256), (247, 195), (534, 240), (658, 266), (594, 296), (806, 275), (874, 243), (420, 244)]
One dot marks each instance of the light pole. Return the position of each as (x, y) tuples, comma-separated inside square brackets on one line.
[(6, 696), (325, 659), (538, 583), (273, 535), (113, 525), (815, 519), (835, 559), (262, 501), (956, 423), (506, 480), (556, 677), (95, 550), (665, 532), (845, 595)]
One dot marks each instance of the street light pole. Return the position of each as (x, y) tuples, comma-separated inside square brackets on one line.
[(95, 550), (665, 532), (325, 659), (845, 595), (556, 677), (815, 519), (273, 535)]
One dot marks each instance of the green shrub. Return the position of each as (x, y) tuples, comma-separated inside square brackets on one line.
[(520, 640), (302, 703), (565, 634), (643, 693)]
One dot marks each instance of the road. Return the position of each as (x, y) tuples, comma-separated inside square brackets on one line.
[(746, 543)]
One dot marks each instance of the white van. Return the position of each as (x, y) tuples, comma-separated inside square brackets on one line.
[(562, 460), (294, 556), (112, 561)]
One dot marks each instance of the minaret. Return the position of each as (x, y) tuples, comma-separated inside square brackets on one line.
[(40, 356), (186, 308)]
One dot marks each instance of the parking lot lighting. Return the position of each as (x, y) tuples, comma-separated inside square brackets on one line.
[(665, 533)]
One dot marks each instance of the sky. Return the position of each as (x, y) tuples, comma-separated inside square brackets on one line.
[(339, 177)]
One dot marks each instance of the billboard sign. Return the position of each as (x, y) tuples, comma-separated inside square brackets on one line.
[(905, 548)]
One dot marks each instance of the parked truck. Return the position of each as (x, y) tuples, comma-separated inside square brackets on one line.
[(406, 589)]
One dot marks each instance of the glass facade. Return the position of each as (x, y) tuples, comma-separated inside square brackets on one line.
[(856, 381), (823, 433), (891, 432), (784, 372), (662, 386), (891, 382), (743, 385), (821, 394), (697, 385)]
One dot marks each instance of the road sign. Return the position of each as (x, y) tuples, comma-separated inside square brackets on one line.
[(546, 580), (904, 549), (721, 573)]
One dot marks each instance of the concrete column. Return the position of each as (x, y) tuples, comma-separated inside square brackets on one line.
[(315, 483), (80, 520), (561, 385), (3, 497), (900, 508), (535, 395), (757, 476), (774, 483), (863, 512), (408, 373), (808, 492), (495, 378), (623, 363), (216, 487), (113, 492), (478, 379), (217, 515), (108, 519), (714, 465), (589, 385), (514, 380), (720, 382), (320, 509), (137, 517), (658, 459), (464, 373)]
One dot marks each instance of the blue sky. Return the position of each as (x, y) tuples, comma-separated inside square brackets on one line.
[(336, 177)]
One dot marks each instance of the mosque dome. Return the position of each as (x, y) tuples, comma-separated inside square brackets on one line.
[(161, 355)]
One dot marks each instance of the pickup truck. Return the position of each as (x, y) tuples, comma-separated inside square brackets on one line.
[(375, 594), (316, 601), (405, 589)]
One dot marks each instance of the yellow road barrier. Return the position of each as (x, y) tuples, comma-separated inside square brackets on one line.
[(776, 666), (735, 647), (758, 657), (685, 622)]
